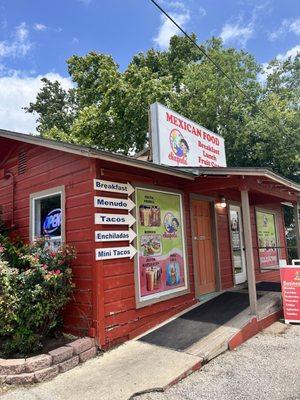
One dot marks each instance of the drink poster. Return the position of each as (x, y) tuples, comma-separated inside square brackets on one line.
[(160, 244), (236, 240), (290, 287), (267, 240), (235, 230)]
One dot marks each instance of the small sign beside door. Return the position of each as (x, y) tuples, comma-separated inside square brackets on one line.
[(108, 218), (109, 202), (114, 219), (113, 187), (109, 253), (114, 236)]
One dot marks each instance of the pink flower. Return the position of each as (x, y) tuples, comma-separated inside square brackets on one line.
[(44, 267), (57, 272), (1, 249)]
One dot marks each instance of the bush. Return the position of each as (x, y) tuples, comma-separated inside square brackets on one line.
[(9, 298), (35, 284)]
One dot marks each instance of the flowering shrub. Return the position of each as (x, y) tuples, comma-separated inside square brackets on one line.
[(35, 284), (9, 297)]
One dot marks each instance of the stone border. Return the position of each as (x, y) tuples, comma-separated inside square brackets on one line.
[(46, 366)]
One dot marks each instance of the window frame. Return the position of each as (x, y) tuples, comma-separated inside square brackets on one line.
[(278, 241), (58, 190), (160, 297)]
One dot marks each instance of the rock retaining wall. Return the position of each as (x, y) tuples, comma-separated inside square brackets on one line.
[(46, 366)]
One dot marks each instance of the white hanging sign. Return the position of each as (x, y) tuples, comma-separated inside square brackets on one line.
[(178, 141), (114, 236), (114, 187), (114, 219), (109, 253), (109, 202)]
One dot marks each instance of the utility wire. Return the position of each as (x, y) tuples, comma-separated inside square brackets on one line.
[(214, 63)]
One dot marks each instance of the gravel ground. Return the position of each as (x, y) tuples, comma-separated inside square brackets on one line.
[(267, 367)]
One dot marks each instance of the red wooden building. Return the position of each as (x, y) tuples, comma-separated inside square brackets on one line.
[(231, 220)]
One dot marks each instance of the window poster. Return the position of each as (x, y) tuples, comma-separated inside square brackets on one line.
[(236, 241), (267, 240), (160, 243), (235, 230)]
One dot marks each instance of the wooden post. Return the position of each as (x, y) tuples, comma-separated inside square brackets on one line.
[(297, 226), (249, 252)]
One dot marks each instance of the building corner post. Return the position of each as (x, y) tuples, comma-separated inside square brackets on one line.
[(249, 252)]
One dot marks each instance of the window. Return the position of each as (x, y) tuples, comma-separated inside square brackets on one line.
[(47, 216), (268, 248)]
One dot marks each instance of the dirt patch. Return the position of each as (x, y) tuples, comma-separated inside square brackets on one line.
[(4, 389), (48, 344), (278, 328)]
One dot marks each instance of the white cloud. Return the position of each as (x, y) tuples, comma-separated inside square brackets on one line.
[(168, 29), (85, 2), (20, 44), (290, 53), (40, 27), (268, 70), (18, 92), (295, 26), (175, 4), (202, 11), (180, 14), (286, 26), (237, 33)]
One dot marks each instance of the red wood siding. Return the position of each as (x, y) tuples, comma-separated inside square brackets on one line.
[(122, 319), (45, 169), (104, 297)]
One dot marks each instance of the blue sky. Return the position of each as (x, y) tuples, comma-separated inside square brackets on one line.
[(36, 37)]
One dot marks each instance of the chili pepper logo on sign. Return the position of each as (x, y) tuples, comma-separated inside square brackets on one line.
[(180, 147)]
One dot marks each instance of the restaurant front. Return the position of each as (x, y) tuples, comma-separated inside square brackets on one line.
[(151, 240)]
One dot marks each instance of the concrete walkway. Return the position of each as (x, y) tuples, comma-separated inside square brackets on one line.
[(132, 368), (265, 368), (138, 367)]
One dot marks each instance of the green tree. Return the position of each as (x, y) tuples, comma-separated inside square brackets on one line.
[(55, 107), (108, 109), (210, 99), (278, 142)]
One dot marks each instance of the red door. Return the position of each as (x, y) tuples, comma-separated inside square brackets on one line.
[(204, 260)]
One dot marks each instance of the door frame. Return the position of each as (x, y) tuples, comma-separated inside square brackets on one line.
[(237, 204), (214, 227)]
